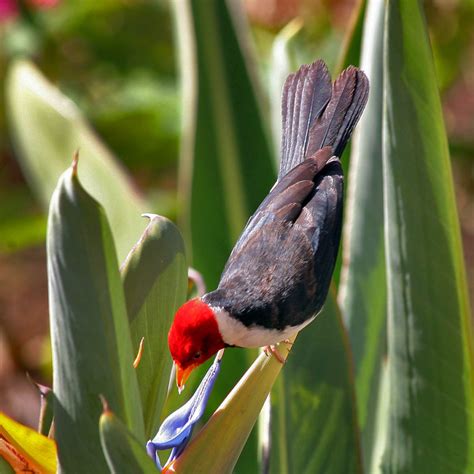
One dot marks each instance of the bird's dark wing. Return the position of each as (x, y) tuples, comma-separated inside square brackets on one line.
[(280, 269), (321, 221), (282, 265), (285, 200)]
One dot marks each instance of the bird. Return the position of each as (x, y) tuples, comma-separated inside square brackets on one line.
[(278, 274)]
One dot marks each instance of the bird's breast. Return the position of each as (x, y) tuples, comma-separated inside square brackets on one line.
[(235, 333)]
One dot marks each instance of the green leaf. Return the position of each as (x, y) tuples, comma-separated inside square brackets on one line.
[(362, 289), (155, 283), (233, 421), (314, 421), (431, 379), (48, 128), (123, 452), (226, 167), (92, 350)]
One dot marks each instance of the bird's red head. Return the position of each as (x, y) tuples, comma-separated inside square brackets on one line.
[(193, 338)]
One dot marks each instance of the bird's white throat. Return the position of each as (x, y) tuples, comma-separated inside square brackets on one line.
[(235, 333)]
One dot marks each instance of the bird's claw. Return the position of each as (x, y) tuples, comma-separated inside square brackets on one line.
[(272, 350)]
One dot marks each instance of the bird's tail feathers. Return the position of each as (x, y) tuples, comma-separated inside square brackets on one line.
[(316, 114)]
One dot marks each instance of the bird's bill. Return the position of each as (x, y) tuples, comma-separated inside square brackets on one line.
[(182, 375)]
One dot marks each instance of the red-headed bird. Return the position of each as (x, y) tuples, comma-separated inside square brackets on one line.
[(278, 274)]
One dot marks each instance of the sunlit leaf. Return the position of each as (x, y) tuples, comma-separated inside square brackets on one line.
[(233, 421), (431, 378), (47, 129), (362, 289), (92, 350), (155, 282)]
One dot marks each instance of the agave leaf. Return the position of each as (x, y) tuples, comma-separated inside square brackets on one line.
[(362, 289), (431, 377), (314, 422), (47, 129), (155, 280), (226, 166), (123, 452), (24, 449), (233, 421), (92, 350)]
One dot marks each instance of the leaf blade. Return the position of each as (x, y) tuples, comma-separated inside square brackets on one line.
[(226, 166), (244, 402), (123, 452), (314, 412), (431, 425), (47, 129), (155, 278), (362, 288), (92, 352)]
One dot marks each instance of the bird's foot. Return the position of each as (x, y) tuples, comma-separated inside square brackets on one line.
[(272, 350)]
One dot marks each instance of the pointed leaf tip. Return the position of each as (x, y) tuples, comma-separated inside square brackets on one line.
[(75, 162), (105, 404)]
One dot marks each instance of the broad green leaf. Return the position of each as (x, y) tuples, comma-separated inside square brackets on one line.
[(25, 449), (380, 429), (123, 452), (226, 166), (155, 282), (92, 350), (233, 421), (431, 379), (47, 129), (362, 288), (314, 421)]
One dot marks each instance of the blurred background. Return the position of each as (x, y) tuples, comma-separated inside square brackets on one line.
[(116, 59)]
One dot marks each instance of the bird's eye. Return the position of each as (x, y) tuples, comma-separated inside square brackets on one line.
[(197, 355)]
